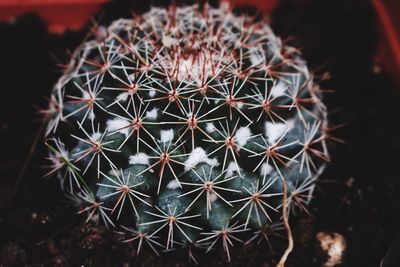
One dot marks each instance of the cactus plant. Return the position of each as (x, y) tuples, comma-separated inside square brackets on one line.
[(179, 128)]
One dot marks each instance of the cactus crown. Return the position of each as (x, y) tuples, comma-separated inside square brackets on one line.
[(181, 125)]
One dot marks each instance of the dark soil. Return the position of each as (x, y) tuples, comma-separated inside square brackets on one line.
[(356, 197)]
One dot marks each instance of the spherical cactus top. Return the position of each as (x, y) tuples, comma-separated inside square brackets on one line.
[(181, 126)]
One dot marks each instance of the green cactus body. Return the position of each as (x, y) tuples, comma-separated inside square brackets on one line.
[(182, 124)]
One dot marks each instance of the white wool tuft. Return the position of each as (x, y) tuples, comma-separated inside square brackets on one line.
[(232, 169), (210, 128), (118, 124), (278, 89), (152, 93), (132, 77), (265, 169), (257, 56), (114, 172), (198, 155), (152, 114), (95, 136), (122, 97), (275, 130), (213, 197), (216, 101), (239, 105), (167, 135), (173, 185), (242, 135), (191, 68), (86, 95), (169, 41), (91, 115), (139, 158)]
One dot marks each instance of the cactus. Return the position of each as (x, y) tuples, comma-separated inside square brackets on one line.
[(180, 126)]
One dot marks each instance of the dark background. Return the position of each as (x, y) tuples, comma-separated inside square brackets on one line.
[(358, 195)]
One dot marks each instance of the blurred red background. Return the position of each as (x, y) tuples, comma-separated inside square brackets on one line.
[(73, 14)]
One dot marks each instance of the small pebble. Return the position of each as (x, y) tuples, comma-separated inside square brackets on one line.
[(333, 246)]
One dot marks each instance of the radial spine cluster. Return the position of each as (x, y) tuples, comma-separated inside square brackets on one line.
[(180, 126)]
